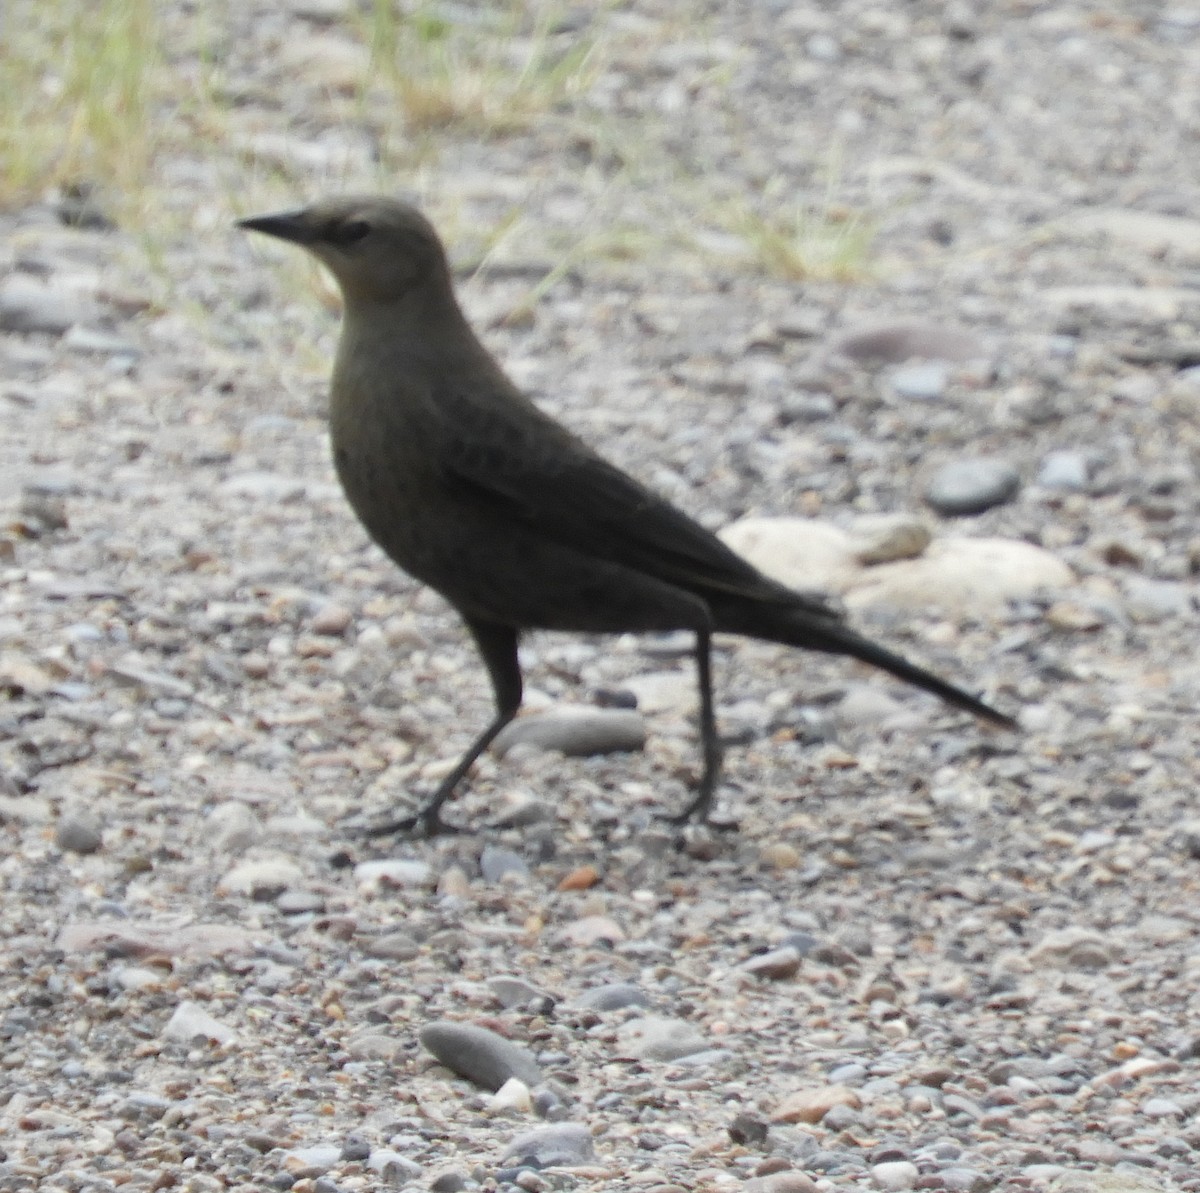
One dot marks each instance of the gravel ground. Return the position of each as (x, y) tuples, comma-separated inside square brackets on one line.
[(932, 956)]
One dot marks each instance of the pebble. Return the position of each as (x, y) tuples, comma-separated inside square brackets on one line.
[(920, 382), (781, 1182), (190, 1020), (27, 305), (392, 946), (79, 832), (480, 1055), (393, 1167), (263, 878), (895, 1175), (400, 873), (898, 341), (883, 538), (776, 965), (971, 486), (658, 1038), (515, 992), (497, 863), (1066, 470), (512, 1095), (562, 1144), (812, 1105), (575, 731), (612, 997)]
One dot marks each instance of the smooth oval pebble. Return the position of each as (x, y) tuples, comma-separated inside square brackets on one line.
[(972, 486), (513, 991), (480, 1055), (659, 1038), (576, 732), (895, 1175), (559, 1143), (612, 997), (78, 832)]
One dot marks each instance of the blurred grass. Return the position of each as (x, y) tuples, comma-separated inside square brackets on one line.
[(127, 97)]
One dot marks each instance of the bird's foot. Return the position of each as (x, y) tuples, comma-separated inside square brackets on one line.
[(425, 822), (701, 814)]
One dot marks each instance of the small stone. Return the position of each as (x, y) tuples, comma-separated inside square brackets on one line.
[(27, 305), (895, 1175), (512, 1095), (263, 879), (560, 1144), (971, 486), (394, 872), (514, 992), (394, 1168), (812, 1105), (657, 1038), (392, 946), (496, 864), (748, 1130), (781, 1182), (779, 855), (78, 832), (576, 732), (612, 997), (1162, 1108), (899, 341), (590, 930), (920, 382), (775, 966), (480, 1055), (883, 538), (1065, 470), (1073, 948), (331, 620), (191, 1020), (582, 878), (374, 1045)]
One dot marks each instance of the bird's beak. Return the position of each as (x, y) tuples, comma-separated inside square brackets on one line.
[(288, 225)]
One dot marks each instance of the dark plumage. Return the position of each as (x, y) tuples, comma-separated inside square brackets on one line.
[(471, 489)]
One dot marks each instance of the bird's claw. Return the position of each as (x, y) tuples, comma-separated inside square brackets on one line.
[(426, 822)]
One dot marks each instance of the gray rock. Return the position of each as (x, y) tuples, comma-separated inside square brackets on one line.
[(884, 538), (495, 863), (480, 1055), (920, 382), (615, 995), (1065, 470), (514, 992), (392, 1166), (575, 731), (659, 1038), (394, 872), (392, 946), (27, 305), (775, 965), (897, 341), (78, 832), (559, 1143), (972, 486), (191, 1020)]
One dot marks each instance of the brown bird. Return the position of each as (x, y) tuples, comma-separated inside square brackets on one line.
[(472, 490)]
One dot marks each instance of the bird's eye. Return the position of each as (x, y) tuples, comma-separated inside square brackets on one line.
[(349, 232)]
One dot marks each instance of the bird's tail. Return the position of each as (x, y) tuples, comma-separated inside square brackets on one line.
[(791, 626)]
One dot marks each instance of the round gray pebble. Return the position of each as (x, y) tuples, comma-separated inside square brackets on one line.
[(480, 1055), (972, 486)]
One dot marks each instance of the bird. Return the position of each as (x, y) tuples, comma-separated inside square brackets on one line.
[(476, 492)]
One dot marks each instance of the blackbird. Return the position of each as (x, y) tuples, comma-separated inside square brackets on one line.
[(473, 490)]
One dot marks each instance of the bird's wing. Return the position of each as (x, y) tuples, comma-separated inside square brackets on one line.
[(519, 460)]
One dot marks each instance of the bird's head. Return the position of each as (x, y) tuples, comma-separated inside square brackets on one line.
[(378, 249)]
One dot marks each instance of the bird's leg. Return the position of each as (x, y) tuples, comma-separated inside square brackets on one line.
[(701, 805), (498, 647)]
